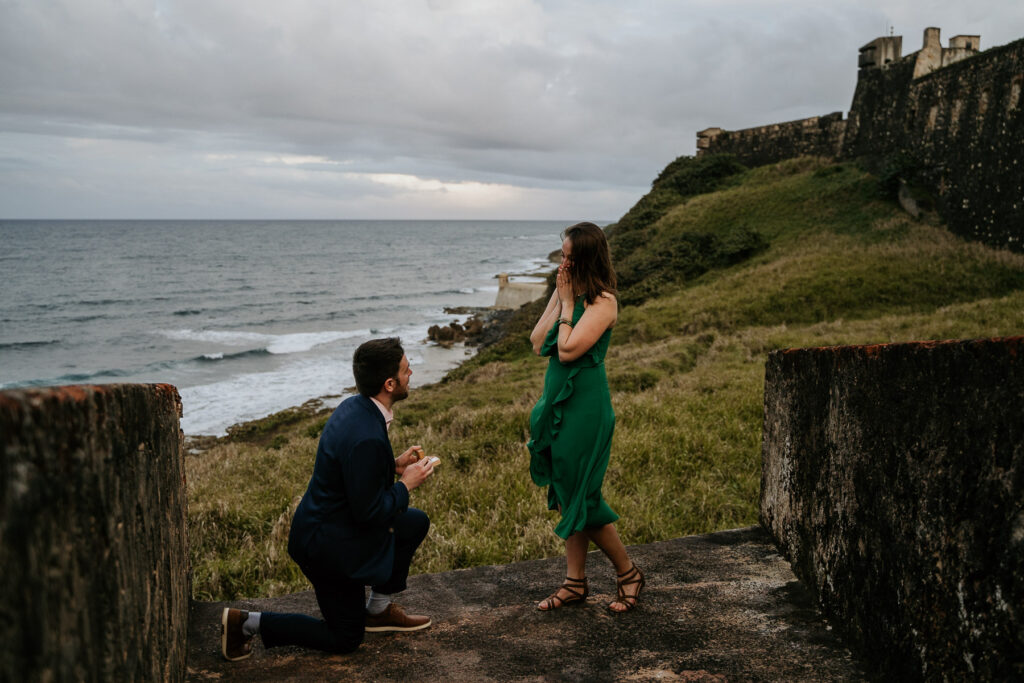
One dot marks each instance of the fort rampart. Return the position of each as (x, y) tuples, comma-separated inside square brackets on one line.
[(93, 552), (820, 136), (893, 481), (949, 121)]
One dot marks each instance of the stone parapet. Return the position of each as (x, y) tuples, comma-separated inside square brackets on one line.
[(893, 481), (93, 553), (820, 136)]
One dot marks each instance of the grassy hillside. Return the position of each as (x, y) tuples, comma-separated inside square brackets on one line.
[(720, 265)]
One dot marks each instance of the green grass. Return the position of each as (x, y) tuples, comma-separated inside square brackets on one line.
[(837, 264)]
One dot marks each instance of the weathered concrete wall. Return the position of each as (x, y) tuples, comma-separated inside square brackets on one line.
[(820, 136), (93, 555), (893, 481)]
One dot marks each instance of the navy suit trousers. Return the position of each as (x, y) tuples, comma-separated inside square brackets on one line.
[(342, 601)]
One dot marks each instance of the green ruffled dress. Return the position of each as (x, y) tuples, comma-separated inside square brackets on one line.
[(571, 434)]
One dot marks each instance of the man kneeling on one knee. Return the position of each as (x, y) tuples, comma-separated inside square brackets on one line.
[(354, 527)]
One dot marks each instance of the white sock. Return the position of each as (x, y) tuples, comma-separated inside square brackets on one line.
[(251, 626), (378, 602)]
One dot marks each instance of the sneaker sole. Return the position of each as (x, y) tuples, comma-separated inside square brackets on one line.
[(383, 629), (224, 639)]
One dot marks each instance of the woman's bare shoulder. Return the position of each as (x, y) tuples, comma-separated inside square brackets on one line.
[(605, 306), (606, 300), (603, 300)]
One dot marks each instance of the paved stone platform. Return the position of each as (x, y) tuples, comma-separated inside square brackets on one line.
[(718, 607)]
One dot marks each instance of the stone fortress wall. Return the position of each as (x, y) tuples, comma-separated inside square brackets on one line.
[(950, 119)]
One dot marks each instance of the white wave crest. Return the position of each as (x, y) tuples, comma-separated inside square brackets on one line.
[(212, 408), (295, 342)]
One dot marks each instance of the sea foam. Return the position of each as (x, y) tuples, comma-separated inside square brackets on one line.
[(295, 342)]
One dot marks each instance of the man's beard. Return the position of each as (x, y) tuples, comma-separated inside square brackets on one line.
[(399, 393)]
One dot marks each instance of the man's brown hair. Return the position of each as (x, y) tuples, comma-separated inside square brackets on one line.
[(375, 362)]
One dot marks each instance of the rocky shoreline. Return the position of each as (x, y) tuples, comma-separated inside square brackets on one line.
[(482, 327)]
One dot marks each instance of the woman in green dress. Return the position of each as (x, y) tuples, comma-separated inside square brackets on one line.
[(571, 426)]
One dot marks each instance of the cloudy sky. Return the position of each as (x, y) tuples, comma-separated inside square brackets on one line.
[(560, 109)]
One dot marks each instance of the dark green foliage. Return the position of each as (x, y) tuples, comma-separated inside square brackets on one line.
[(826, 171), (261, 430), (314, 430), (683, 257), (646, 261), (736, 246), (684, 177), (900, 166), (645, 213), (689, 176)]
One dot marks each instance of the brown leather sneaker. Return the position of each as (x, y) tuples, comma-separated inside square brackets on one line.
[(393, 618), (234, 644)]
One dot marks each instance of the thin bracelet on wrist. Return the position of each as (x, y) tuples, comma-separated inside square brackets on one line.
[(565, 321)]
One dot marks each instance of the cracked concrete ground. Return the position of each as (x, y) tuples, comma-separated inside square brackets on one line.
[(723, 606)]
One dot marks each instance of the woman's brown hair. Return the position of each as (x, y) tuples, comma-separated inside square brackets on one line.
[(591, 271)]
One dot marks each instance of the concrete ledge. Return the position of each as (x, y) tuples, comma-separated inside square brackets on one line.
[(893, 479), (722, 606)]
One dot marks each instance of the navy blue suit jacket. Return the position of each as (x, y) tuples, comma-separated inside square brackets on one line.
[(345, 522)]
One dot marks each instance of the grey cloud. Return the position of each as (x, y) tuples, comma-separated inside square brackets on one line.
[(575, 96)]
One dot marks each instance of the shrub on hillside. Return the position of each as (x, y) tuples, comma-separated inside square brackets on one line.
[(685, 177), (692, 175), (682, 257)]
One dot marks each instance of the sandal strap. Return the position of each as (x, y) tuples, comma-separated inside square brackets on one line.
[(632, 570), (569, 585), (629, 578), (572, 589), (623, 594)]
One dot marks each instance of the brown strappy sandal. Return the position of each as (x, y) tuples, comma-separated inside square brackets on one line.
[(628, 578), (570, 585)]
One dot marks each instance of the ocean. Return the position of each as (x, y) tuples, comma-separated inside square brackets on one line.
[(246, 318)]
